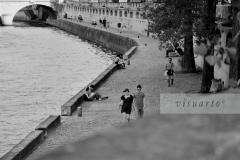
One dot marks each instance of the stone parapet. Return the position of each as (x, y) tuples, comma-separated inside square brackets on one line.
[(25, 147), (115, 42), (49, 124)]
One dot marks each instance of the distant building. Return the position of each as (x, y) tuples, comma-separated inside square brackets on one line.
[(114, 11)]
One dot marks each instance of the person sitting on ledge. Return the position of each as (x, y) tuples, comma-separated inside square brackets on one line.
[(119, 62), (90, 95), (169, 48)]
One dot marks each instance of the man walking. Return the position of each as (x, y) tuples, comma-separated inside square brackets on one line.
[(104, 22), (139, 101), (170, 71)]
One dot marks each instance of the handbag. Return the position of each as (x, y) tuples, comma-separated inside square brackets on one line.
[(165, 73), (120, 105)]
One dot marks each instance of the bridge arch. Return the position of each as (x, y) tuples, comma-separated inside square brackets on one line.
[(33, 12), (8, 9)]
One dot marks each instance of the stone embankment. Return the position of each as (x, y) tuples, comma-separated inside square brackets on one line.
[(146, 68)]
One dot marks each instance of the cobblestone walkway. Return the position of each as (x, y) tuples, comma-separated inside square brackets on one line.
[(146, 68)]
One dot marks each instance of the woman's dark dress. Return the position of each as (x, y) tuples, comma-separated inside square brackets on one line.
[(127, 104)]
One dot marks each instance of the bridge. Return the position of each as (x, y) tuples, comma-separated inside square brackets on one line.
[(8, 8)]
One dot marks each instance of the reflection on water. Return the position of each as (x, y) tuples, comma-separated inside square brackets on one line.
[(41, 68)]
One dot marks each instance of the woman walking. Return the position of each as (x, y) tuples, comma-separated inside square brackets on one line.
[(126, 102)]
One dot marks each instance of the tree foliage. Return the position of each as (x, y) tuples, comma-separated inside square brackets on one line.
[(172, 18), (183, 19)]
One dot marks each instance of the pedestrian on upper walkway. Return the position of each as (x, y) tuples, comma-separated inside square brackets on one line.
[(80, 19), (139, 102), (124, 27), (119, 27), (104, 22), (100, 22)]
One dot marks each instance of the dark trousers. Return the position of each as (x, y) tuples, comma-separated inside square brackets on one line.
[(95, 96)]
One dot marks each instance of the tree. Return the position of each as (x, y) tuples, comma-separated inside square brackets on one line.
[(208, 27), (188, 62), (173, 19), (183, 19), (235, 63)]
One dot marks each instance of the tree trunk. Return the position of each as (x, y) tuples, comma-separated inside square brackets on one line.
[(188, 62), (208, 71), (235, 64)]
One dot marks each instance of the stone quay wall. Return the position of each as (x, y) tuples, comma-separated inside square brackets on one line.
[(115, 42)]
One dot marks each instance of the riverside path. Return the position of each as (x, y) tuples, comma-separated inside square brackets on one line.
[(146, 68)]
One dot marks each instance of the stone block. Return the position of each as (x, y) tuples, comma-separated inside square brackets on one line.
[(130, 52), (71, 105), (113, 67), (66, 109), (49, 124), (25, 147), (172, 54)]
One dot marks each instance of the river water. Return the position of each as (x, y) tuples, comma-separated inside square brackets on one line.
[(40, 69)]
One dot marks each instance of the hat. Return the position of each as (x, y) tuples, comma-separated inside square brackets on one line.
[(126, 90)]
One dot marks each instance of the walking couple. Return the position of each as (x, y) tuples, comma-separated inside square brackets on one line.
[(135, 103)]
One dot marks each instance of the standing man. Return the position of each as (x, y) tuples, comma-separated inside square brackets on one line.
[(100, 22), (139, 102), (169, 68)]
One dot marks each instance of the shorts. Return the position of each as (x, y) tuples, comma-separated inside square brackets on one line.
[(170, 77), (171, 74)]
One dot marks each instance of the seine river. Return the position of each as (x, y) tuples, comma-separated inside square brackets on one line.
[(40, 69)]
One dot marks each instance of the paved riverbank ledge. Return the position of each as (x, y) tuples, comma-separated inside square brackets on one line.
[(118, 43), (146, 68), (168, 137)]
